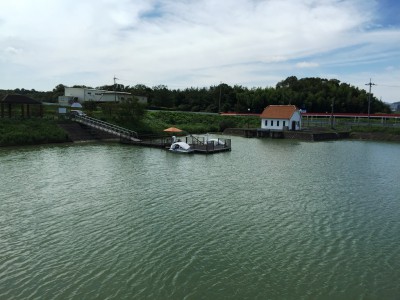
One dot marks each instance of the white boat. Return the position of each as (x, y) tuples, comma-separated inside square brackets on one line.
[(181, 147), (216, 142)]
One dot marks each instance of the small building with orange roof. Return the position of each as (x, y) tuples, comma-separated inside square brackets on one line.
[(281, 117)]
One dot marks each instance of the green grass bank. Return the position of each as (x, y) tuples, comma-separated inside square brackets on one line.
[(16, 132)]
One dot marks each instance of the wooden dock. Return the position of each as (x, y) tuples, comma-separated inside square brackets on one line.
[(210, 148), (200, 145)]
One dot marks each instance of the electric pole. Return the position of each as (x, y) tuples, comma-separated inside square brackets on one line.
[(115, 89), (369, 98), (219, 99), (333, 103)]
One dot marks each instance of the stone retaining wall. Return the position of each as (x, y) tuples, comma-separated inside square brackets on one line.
[(296, 135)]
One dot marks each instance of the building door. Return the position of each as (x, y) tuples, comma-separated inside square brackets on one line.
[(293, 125)]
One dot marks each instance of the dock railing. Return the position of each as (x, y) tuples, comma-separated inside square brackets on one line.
[(198, 143), (206, 145)]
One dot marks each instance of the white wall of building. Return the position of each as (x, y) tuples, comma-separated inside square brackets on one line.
[(297, 119), (115, 97), (274, 124), (294, 123), (84, 94)]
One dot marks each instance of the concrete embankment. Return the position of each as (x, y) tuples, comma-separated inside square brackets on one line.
[(315, 136), (375, 136), (306, 135)]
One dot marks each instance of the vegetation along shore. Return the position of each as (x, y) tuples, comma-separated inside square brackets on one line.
[(196, 110), (34, 131)]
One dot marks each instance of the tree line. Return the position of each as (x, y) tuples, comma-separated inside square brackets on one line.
[(312, 94)]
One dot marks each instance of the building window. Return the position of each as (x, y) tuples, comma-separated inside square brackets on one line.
[(266, 122), (89, 93), (277, 123), (284, 123), (272, 122)]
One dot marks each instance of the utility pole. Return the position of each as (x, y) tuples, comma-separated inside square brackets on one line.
[(115, 89), (369, 98), (333, 103), (219, 99)]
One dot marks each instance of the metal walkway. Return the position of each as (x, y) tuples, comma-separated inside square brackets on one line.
[(118, 131)]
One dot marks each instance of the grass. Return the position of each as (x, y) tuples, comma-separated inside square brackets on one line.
[(196, 123), (154, 122), (376, 129), (15, 132), (31, 131)]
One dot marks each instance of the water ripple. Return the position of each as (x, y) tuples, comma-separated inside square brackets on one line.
[(107, 221)]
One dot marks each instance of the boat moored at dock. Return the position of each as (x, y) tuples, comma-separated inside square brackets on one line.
[(181, 147)]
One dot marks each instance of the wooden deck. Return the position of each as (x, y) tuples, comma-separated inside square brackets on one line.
[(210, 148), (198, 144)]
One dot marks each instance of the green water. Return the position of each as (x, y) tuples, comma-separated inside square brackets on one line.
[(272, 219)]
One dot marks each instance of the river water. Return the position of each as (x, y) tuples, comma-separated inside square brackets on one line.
[(272, 219)]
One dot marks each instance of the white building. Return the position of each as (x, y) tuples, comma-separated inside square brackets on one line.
[(281, 117), (82, 95), (395, 106)]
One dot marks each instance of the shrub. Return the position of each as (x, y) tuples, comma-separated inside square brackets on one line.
[(30, 131)]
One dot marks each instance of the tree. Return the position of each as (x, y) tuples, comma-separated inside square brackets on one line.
[(58, 91), (311, 93), (289, 82), (162, 96), (130, 110)]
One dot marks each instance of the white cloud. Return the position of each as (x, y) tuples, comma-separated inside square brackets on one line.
[(305, 64), (187, 43), (12, 51)]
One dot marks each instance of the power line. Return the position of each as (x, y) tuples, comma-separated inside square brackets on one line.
[(397, 86)]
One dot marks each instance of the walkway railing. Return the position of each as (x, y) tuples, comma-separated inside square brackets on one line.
[(206, 145), (121, 132)]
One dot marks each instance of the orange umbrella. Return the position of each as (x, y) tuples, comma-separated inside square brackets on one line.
[(173, 129)]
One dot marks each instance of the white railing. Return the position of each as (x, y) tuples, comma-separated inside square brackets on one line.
[(107, 127)]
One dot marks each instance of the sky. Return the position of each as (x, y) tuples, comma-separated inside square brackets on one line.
[(199, 43)]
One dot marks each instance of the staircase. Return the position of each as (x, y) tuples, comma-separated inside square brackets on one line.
[(79, 132), (109, 128)]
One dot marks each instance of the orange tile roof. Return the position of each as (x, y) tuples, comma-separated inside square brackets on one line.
[(278, 112)]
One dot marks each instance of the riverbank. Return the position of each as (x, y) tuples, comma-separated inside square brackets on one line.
[(20, 132), (318, 134), (375, 136)]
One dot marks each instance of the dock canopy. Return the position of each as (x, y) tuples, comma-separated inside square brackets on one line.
[(173, 129), (27, 106)]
